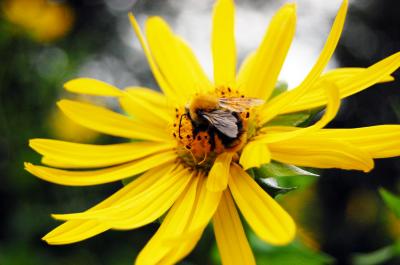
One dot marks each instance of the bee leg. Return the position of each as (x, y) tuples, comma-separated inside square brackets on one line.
[(235, 157), (193, 157), (204, 159)]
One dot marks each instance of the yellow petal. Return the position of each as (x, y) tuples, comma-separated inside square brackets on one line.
[(223, 43), (92, 86), (255, 154), (153, 97), (339, 74), (355, 83), (182, 227), (141, 208), (278, 104), (100, 176), (331, 111), (75, 155), (161, 80), (103, 120), (321, 152), (329, 47), (169, 50), (74, 231), (380, 141), (217, 179), (179, 251), (264, 215), (245, 69), (143, 110), (271, 54), (55, 163), (231, 239), (174, 224), (371, 75), (202, 83), (77, 230), (207, 204)]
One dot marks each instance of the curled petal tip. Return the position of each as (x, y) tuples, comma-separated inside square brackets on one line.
[(27, 165), (69, 84), (61, 102), (56, 216)]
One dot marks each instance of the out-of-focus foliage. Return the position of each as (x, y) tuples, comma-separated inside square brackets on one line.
[(295, 253), (379, 256), (387, 253), (392, 201), (43, 44)]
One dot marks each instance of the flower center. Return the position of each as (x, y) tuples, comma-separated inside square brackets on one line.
[(208, 125)]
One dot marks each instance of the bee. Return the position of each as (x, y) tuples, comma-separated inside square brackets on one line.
[(217, 123)]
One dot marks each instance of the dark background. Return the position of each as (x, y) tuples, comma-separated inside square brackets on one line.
[(340, 214)]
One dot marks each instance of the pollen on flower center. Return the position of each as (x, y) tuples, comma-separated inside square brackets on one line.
[(208, 126)]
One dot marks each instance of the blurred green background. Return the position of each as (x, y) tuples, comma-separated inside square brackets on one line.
[(341, 216)]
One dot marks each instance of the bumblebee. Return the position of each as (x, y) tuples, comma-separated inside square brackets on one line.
[(211, 125)]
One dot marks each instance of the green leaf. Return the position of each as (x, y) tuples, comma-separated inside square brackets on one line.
[(299, 119), (251, 173), (276, 169), (277, 178), (378, 256), (392, 201), (300, 182), (291, 119), (280, 87), (292, 254), (271, 186)]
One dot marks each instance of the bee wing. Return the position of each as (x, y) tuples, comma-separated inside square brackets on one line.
[(223, 121), (239, 104)]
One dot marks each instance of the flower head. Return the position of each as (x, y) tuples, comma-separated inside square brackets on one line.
[(199, 137)]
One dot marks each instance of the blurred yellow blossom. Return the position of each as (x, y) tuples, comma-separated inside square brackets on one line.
[(43, 20)]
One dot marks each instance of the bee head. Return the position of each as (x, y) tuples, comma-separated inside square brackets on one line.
[(202, 103)]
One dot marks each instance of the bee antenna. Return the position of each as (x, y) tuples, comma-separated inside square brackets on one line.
[(180, 124)]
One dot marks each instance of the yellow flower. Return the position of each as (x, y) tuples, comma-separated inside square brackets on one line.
[(193, 153), (45, 21)]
